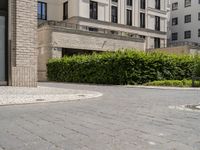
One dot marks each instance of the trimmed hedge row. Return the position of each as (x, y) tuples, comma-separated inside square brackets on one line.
[(121, 67), (173, 83)]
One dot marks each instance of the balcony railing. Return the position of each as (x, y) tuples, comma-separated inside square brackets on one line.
[(186, 43), (66, 25)]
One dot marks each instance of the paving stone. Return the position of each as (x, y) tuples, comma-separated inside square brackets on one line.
[(122, 119)]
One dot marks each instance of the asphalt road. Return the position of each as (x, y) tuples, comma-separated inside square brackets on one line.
[(122, 119)]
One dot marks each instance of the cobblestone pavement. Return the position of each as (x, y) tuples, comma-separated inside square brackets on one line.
[(122, 119), (23, 95)]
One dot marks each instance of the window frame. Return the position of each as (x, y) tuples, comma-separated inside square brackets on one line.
[(93, 13), (41, 16), (189, 4), (176, 23), (64, 10), (176, 36), (129, 19), (186, 20), (114, 17), (185, 34)]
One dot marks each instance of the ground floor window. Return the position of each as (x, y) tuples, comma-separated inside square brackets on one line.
[(71, 52), (156, 42)]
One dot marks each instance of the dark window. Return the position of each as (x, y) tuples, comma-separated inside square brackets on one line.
[(157, 2), (129, 17), (129, 2), (142, 20), (199, 16), (156, 42), (187, 18), (199, 33), (4, 5), (175, 6), (42, 10), (174, 36), (93, 29), (187, 3), (115, 1), (93, 10), (174, 21), (142, 4), (114, 14), (157, 23), (65, 10), (187, 34)]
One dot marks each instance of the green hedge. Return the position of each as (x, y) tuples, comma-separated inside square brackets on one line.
[(121, 67), (173, 83)]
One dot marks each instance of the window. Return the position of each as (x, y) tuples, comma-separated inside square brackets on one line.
[(175, 6), (187, 34), (142, 20), (199, 33), (174, 36), (65, 11), (142, 4), (174, 21), (187, 18), (157, 23), (157, 2), (156, 42), (42, 10), (93, 10), (114, 14), (116, 1), (187, 3), (129, 2), (129, 17), (199, 16), (93, 29)]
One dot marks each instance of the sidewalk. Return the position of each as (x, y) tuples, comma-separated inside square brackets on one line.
[(22, 95)]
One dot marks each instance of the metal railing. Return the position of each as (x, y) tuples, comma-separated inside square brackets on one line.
[(186, 43), (89, 29)]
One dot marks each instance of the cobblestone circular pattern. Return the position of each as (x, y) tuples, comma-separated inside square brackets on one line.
[(19, 95), (193, 107), (189, 107)]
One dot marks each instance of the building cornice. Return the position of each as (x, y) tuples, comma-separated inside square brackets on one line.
[(77, 19)]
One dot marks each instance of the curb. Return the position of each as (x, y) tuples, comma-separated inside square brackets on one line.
[(162, 87)]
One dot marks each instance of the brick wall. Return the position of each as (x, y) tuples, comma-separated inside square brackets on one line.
[(23, 37)]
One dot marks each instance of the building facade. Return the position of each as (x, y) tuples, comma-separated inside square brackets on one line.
[(18, 42), (74, 26), (184, 22)]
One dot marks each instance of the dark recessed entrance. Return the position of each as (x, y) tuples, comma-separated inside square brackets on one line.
[(71, 52), (3, 41)]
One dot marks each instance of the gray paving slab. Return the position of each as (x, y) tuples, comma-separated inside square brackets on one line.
[(122, 119)]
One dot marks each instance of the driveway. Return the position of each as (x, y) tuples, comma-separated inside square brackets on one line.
[(122, 119)]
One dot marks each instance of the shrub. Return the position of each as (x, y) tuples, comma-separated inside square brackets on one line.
[(172, 83), (121, 67)]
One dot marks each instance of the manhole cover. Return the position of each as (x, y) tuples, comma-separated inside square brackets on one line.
[(40, 100), (193, 107)]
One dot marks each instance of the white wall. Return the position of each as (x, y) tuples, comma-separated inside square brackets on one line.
[(194, 25), (82, 7)]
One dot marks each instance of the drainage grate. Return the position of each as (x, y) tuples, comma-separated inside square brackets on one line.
[(193, 107), (40, 100)]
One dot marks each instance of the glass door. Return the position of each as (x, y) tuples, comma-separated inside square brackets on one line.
[(2, 49)]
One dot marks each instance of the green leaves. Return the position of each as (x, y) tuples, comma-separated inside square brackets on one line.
[(121, 67)]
